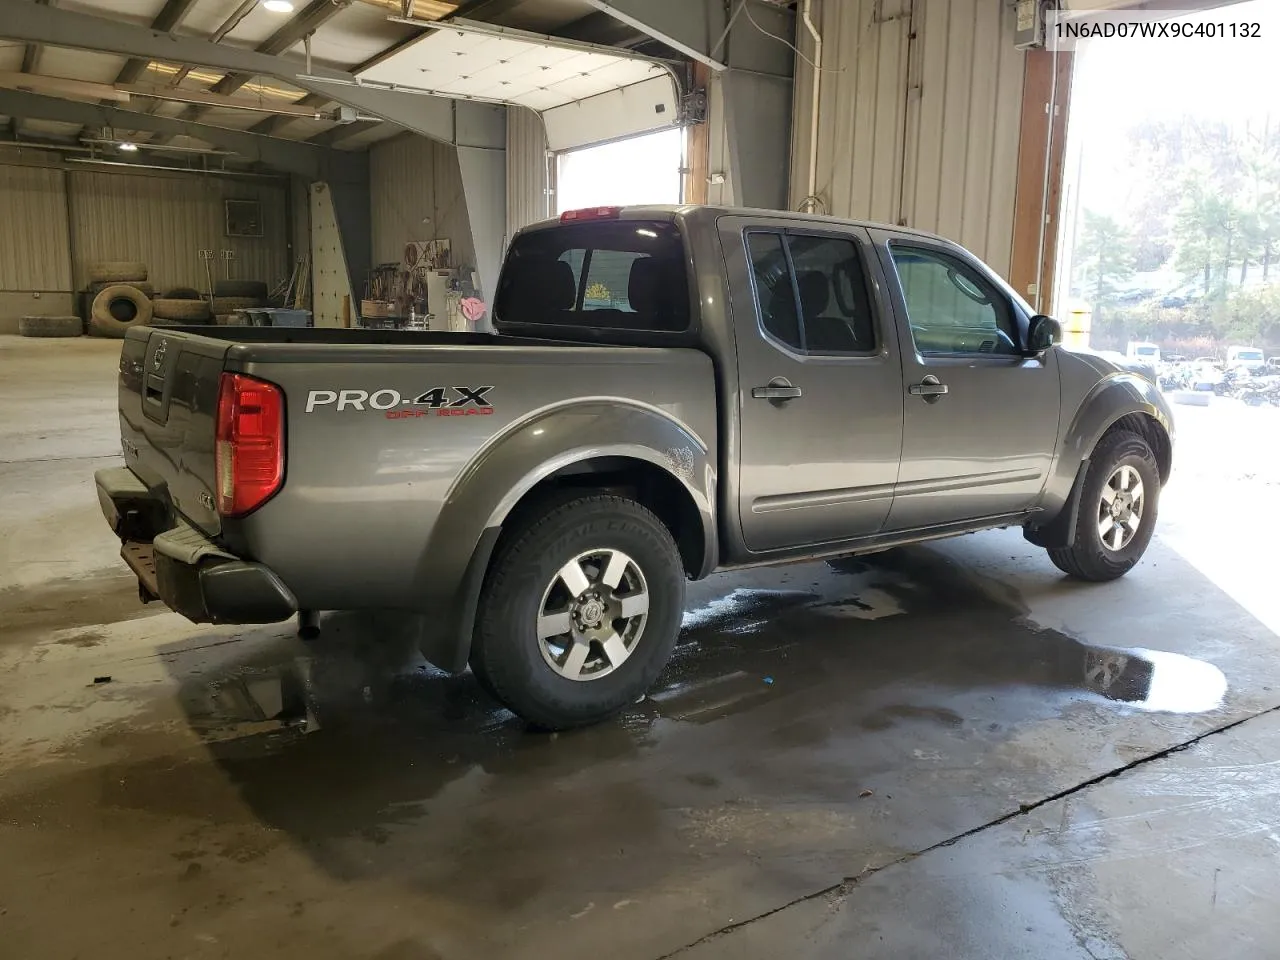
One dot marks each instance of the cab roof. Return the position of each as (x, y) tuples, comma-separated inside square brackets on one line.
[(684, 211)]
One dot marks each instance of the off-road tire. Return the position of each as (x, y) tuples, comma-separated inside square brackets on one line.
[(225, 305), (506, 655), (50, 326), (103, 320), (192, 311), (183, 293), (117, 271), (142, 286), (1086, 558)]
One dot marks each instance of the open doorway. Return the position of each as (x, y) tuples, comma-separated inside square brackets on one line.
[(643, 169), (1169, 256)]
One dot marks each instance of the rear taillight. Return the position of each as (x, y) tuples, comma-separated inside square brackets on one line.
[(250, 443)]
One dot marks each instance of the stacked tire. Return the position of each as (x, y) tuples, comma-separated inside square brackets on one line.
[(122, 297), (50, 326), (171, 311)]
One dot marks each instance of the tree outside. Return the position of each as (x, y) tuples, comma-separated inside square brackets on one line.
[(1173, 216)]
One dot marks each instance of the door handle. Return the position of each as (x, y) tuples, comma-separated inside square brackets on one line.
[(930, 388), (779, 388)]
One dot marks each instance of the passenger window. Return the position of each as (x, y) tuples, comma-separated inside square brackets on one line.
[(824, 276), (951, 307), (775, 296), (833, 295)]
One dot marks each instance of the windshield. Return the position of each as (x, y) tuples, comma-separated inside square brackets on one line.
[(1248, 354), (607, 274), (1148, 351)]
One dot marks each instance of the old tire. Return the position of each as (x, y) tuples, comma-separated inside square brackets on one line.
[(50, 326), (231, 320), (615, 641), (223, 305), (1122, 468), (192, 311), (117, 271), (142, 286), (118, 308), (252, 289), (183, 293)]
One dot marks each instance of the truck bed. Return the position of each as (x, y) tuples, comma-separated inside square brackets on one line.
[(382, 428)]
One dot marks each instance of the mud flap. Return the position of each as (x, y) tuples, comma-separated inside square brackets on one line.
[(445, 640), (1059, 530)]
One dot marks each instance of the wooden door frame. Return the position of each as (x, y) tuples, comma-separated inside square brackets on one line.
[(1042, 147)]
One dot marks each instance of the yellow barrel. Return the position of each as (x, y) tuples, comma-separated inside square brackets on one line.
[(1077, 324)]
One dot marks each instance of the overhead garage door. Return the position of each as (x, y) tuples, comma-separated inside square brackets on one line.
[(585, 94)]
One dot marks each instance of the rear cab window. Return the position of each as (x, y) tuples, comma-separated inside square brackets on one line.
[(811, 292), (606, 274)]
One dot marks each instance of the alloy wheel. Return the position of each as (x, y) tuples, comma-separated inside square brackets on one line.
[(593, 614), (1120, 508)]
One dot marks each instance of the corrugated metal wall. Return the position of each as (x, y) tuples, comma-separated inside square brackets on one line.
[(412, 178), (720, 186), (528, 200), (34, 251), (921, 131), (163, 219)]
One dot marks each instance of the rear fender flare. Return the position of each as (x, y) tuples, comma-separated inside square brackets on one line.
[(450, 570)]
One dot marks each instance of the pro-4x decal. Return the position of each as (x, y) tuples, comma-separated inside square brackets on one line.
[(444, 401)]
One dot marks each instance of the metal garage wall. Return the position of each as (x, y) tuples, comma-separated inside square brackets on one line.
[(528, 200), (415, 188), (720, 186), (34, 252), (919, 131), (163, 219)]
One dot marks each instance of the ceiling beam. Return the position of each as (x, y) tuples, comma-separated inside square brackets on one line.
[(125, 92), (290, 110), (304, 159), (430, 116), (343, 131), (701, 30), (305, 21), (31, 53), (59, 86), (417, 9), (273, 125), (166, 21)]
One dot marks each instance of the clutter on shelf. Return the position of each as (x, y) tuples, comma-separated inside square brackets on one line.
[(423, 291)]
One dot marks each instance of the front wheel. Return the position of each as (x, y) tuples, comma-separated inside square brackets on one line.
[(579, 612), (1117, 511)]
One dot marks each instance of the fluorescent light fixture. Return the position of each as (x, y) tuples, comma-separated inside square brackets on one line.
[(128, 147), (277, 6)]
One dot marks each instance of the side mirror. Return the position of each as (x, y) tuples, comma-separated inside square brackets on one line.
[(1043, 333)]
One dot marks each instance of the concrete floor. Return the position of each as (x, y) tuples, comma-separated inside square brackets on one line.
[(941, 752)]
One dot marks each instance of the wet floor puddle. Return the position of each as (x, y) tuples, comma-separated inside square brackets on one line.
[(736, 651)]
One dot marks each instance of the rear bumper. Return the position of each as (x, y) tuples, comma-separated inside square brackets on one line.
[(179, 565)]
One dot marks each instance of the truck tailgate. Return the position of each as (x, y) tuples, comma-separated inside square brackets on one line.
[(168, 402)]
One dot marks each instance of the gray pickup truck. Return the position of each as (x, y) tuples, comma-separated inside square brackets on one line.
[(670, 392)]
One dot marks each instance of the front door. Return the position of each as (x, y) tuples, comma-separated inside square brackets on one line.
[(981, 418), (819, 398)]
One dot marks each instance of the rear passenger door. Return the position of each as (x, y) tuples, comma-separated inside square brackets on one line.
[(819, 400)]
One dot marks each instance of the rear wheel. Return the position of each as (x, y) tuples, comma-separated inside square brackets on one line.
[(1117, 513), (579, 612)]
